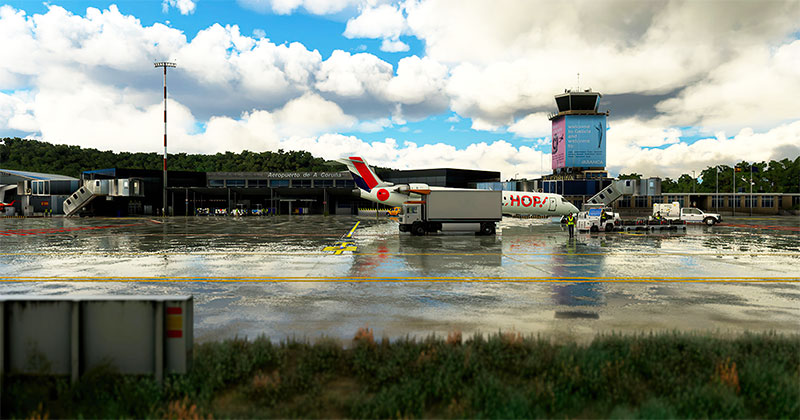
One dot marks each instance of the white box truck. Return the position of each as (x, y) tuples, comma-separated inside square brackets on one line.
[(674, 211), (462, 209)]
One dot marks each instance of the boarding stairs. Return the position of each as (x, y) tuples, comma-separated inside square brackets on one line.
[(611, 193), (81, 198)]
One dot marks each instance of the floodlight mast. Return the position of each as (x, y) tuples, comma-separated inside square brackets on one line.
[(164, 65)]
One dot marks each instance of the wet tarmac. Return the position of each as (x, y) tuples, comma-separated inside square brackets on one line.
[(270, 275)]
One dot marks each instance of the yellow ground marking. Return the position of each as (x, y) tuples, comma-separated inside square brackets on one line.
[(344, 245), (341, 247), (646, 254), (322, 279), (350, 234)]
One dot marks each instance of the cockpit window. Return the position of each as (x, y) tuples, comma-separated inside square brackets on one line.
[(564, 200)]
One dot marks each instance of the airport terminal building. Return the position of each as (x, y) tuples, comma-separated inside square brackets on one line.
[(131, 192)]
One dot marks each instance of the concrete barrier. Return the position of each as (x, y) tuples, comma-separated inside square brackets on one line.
[(144, 335)]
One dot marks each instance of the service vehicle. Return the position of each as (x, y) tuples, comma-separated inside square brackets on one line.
[(597, 218), (394, 211), (674, 211), (453, 209)]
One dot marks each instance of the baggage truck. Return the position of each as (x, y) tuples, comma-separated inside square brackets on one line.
[(463, 209)]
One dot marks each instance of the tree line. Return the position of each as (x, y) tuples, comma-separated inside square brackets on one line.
[(39, 156), (778, 176)]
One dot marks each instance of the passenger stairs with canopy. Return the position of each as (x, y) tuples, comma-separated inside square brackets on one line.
[(93, 188), (611, 193)]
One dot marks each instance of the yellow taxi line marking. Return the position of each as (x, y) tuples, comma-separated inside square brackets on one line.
[(654, 254), (350, 234), (510, 279)]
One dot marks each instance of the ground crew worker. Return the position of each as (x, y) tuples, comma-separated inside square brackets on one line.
[(571, 224)]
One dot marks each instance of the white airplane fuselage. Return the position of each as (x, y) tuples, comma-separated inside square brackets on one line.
[(514, 202)]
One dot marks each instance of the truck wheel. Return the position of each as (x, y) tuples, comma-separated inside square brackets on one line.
[(710, 221), (609, 227), (594, 229), (487, 229), (418, 229), (403, 228)]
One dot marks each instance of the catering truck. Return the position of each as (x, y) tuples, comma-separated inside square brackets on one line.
[(453, 209), (674, 211)]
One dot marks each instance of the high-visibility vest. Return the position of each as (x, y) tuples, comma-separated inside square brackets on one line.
[(570, 221)]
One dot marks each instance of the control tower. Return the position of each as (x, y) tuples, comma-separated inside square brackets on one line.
[(579, 135)]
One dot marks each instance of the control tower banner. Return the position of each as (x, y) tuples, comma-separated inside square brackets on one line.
[(558, 153), (579, 141)]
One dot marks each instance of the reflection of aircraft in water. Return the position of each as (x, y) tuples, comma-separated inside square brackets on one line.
[(372, 188)]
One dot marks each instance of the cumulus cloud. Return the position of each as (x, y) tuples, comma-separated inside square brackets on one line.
[(508, 58), (89, 80), (532, 125), (388, 45), (285, 7), (384, 21), (186, 7), (496, 156), (680, 157)]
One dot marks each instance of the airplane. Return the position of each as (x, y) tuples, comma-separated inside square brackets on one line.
[(4, 205), (372, 188)]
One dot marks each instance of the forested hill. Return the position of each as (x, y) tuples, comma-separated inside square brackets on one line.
[(38, 156)]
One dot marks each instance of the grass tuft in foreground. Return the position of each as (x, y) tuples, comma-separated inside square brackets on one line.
[(505, 375)]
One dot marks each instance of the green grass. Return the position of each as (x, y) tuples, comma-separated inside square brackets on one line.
[(502, 376)]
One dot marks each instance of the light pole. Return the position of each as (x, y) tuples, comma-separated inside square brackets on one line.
[(751, 189), (733, 189), (694, 181), (164, 65), (716, 196)]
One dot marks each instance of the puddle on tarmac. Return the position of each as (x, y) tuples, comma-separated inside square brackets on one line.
[(248, 276)]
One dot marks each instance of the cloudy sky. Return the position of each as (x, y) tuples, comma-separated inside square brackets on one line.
[(410, 84)]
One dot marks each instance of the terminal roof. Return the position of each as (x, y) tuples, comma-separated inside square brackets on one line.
[(11, 176)]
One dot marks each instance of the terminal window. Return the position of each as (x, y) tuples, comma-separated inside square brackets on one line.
[(235, 183), (256, 183), (301, 183), (323, 183), (279, 183), (345, 183), (216, 183), (717, 202), (748, 201), (641, 201), (767, 201), (676, 198)]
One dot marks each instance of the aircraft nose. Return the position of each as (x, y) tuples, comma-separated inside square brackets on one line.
[(572, 208)]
